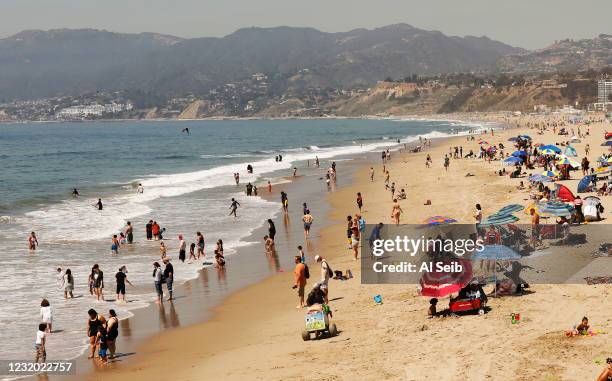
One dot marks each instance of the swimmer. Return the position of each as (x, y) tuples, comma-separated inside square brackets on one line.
[(32, 241), (234, 207)]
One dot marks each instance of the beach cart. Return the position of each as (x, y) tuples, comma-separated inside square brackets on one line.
[(467, 305), (317, 323)]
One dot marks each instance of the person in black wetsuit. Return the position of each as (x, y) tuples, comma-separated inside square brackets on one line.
[(271, 229)]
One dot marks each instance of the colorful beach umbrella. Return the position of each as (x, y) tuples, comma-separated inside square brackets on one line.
[(437, 284), (499, 219), (547, 151), (496, 253), (551, 173), (513, 160), (509, 209), (566, 161), (551, 147), (555, 208), (602, 170), (439, 220), (539, 178)]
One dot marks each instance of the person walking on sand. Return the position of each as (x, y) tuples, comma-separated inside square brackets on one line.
[(32, 241), (359, 201), (68, 284), (307, 219), (46, 315), (200, 243), (168, 276), (446, 162), (355, 236), (157, 281), (371, 173), (299, 273), (112, 332), (234, 207), (325, 274), (121, 278), (396, 212)]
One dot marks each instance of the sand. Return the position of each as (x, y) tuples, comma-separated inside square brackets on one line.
[(255, 333)]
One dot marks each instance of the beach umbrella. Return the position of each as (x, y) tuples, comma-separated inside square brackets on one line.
[(437, 284), (519, 154), (483, 142), (540, 178), (439, 220), (513, 139), (509, 209), (609, 160), (584, 184), (513, 160), (538, 145), (602, 170), (570, 151), (608, 143), (566, 161), (547, 151), (527, 137), (496, 253), (551, 147), (575, 139), (499, 219), (555, 208), (551, 173)]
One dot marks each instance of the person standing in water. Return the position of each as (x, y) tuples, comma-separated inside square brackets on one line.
[(149, 230), (68, 284), (112, 331), (168, 276), (115, 245), (285, 202), (99, 204), (200, 243), (317, 161), (140, 189), (121, 278), (98, 282), (129, 232), (234, 207), (307, 219), (271, 229), (269, 187), (75, 192), (182, 248), (32, 241)]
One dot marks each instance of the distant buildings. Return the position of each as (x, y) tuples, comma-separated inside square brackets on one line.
[(604, 95), (84, 111)]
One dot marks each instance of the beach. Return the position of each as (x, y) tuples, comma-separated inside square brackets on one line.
[(255, 333)]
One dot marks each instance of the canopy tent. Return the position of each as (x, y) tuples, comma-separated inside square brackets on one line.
[(563, 193), (585, 184)]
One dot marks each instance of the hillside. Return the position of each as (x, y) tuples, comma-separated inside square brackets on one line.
[(565, 55), (36, 64)]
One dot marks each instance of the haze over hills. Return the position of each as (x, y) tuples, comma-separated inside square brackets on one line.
[(36, 64)]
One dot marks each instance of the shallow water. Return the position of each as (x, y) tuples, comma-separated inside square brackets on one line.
[(188, 182)]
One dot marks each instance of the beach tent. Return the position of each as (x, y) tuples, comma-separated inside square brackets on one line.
[(585, 184), (590, 208), (563, 193), (570, 151)]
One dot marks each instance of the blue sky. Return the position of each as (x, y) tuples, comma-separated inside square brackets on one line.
[(525, 23)]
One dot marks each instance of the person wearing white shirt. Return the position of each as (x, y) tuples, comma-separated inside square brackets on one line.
[(324, 282), (46, 314)]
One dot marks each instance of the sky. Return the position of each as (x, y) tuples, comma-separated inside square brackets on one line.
[(529, 24)]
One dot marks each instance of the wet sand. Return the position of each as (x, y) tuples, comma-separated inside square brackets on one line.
[(255, 333)]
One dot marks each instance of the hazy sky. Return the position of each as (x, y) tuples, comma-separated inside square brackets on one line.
[(524, 23)]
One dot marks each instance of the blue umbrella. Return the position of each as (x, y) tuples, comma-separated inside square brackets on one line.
[(584, 184), (557, 209), (550, 147), (513, 139), (525, 137), (509, 209), (513, 160), (496, 253), (499, 219), (536, 178), (608, 143), (519, 154)]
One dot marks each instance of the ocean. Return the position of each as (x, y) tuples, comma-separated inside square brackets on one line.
[(188, 183)]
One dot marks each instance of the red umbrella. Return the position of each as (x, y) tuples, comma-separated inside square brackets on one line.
[(437, 283)]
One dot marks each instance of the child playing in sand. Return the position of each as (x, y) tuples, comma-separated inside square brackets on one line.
[(431, 312)]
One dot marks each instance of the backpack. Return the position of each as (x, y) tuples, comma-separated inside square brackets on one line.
[(306, 271)]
